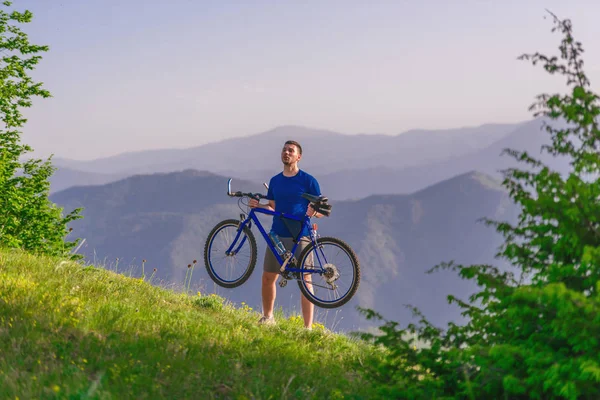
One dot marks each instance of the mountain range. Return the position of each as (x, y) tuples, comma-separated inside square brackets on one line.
[(357, 183), (325, 151), (346, 166)]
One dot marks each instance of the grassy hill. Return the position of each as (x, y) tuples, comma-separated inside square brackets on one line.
[(79, 332)]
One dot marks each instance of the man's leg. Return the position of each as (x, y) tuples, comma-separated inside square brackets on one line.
[(308, 308), (269, 291)]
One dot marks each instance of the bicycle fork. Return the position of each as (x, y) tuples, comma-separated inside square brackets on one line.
[(230, 251)]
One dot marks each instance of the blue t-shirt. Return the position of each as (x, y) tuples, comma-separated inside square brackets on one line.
[(287, 194)]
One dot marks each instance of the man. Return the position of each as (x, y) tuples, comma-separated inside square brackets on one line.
[(284, 195)]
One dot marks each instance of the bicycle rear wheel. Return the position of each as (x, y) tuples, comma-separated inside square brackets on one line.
[(231, 270), (336, 275)]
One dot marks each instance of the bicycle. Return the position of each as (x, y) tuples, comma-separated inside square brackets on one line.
[(229, 232)]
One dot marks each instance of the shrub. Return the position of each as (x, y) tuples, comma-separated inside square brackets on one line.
[(28, 219), (533, 332)]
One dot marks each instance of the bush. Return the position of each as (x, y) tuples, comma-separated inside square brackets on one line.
[(533, 333)]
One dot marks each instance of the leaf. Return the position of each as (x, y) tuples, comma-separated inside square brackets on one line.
[(578, 92)]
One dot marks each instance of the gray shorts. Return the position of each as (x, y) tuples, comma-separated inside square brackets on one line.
[(271, 264)]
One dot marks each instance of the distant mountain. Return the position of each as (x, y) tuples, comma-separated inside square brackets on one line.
[(357, 183), (165, 218), (324, 151), (65, 177)]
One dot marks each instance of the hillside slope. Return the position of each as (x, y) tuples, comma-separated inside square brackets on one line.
[(69, 331)]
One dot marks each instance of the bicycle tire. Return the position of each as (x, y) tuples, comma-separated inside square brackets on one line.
[(356, 267), (249, 269)]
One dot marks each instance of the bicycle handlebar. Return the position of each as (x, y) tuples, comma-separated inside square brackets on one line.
[(256, 196)]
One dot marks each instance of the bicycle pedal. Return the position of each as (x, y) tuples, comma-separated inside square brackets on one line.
[(283, 283)]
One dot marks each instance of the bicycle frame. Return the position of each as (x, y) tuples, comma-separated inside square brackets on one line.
[(305, 223)]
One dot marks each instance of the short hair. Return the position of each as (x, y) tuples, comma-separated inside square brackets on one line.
[(295, 144)]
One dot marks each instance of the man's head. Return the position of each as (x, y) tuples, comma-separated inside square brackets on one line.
[(291, 152)]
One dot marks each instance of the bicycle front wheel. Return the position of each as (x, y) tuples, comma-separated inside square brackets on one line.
[(335, 273), (229, 270)]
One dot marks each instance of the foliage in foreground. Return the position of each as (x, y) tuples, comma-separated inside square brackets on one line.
[(74, 332), (28, 219), (534, 332)]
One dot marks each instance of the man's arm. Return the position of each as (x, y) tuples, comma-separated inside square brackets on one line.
[(270, 206), (255, 204)]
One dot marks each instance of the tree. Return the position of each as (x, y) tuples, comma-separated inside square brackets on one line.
[(533, 332), (28, 219)]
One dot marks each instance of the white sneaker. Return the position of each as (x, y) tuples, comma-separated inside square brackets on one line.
[(266, 321)]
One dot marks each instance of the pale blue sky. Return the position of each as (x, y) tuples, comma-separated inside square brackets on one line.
[(133, 75)]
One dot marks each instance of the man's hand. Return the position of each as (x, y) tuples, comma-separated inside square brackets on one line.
[(253, 203), (311, 212)]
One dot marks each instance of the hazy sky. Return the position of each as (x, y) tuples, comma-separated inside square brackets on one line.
[(133, 75)]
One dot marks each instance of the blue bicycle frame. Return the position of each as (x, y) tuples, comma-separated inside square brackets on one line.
[(305, 223)]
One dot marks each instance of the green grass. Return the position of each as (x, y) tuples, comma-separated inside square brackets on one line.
[(80, 332)]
